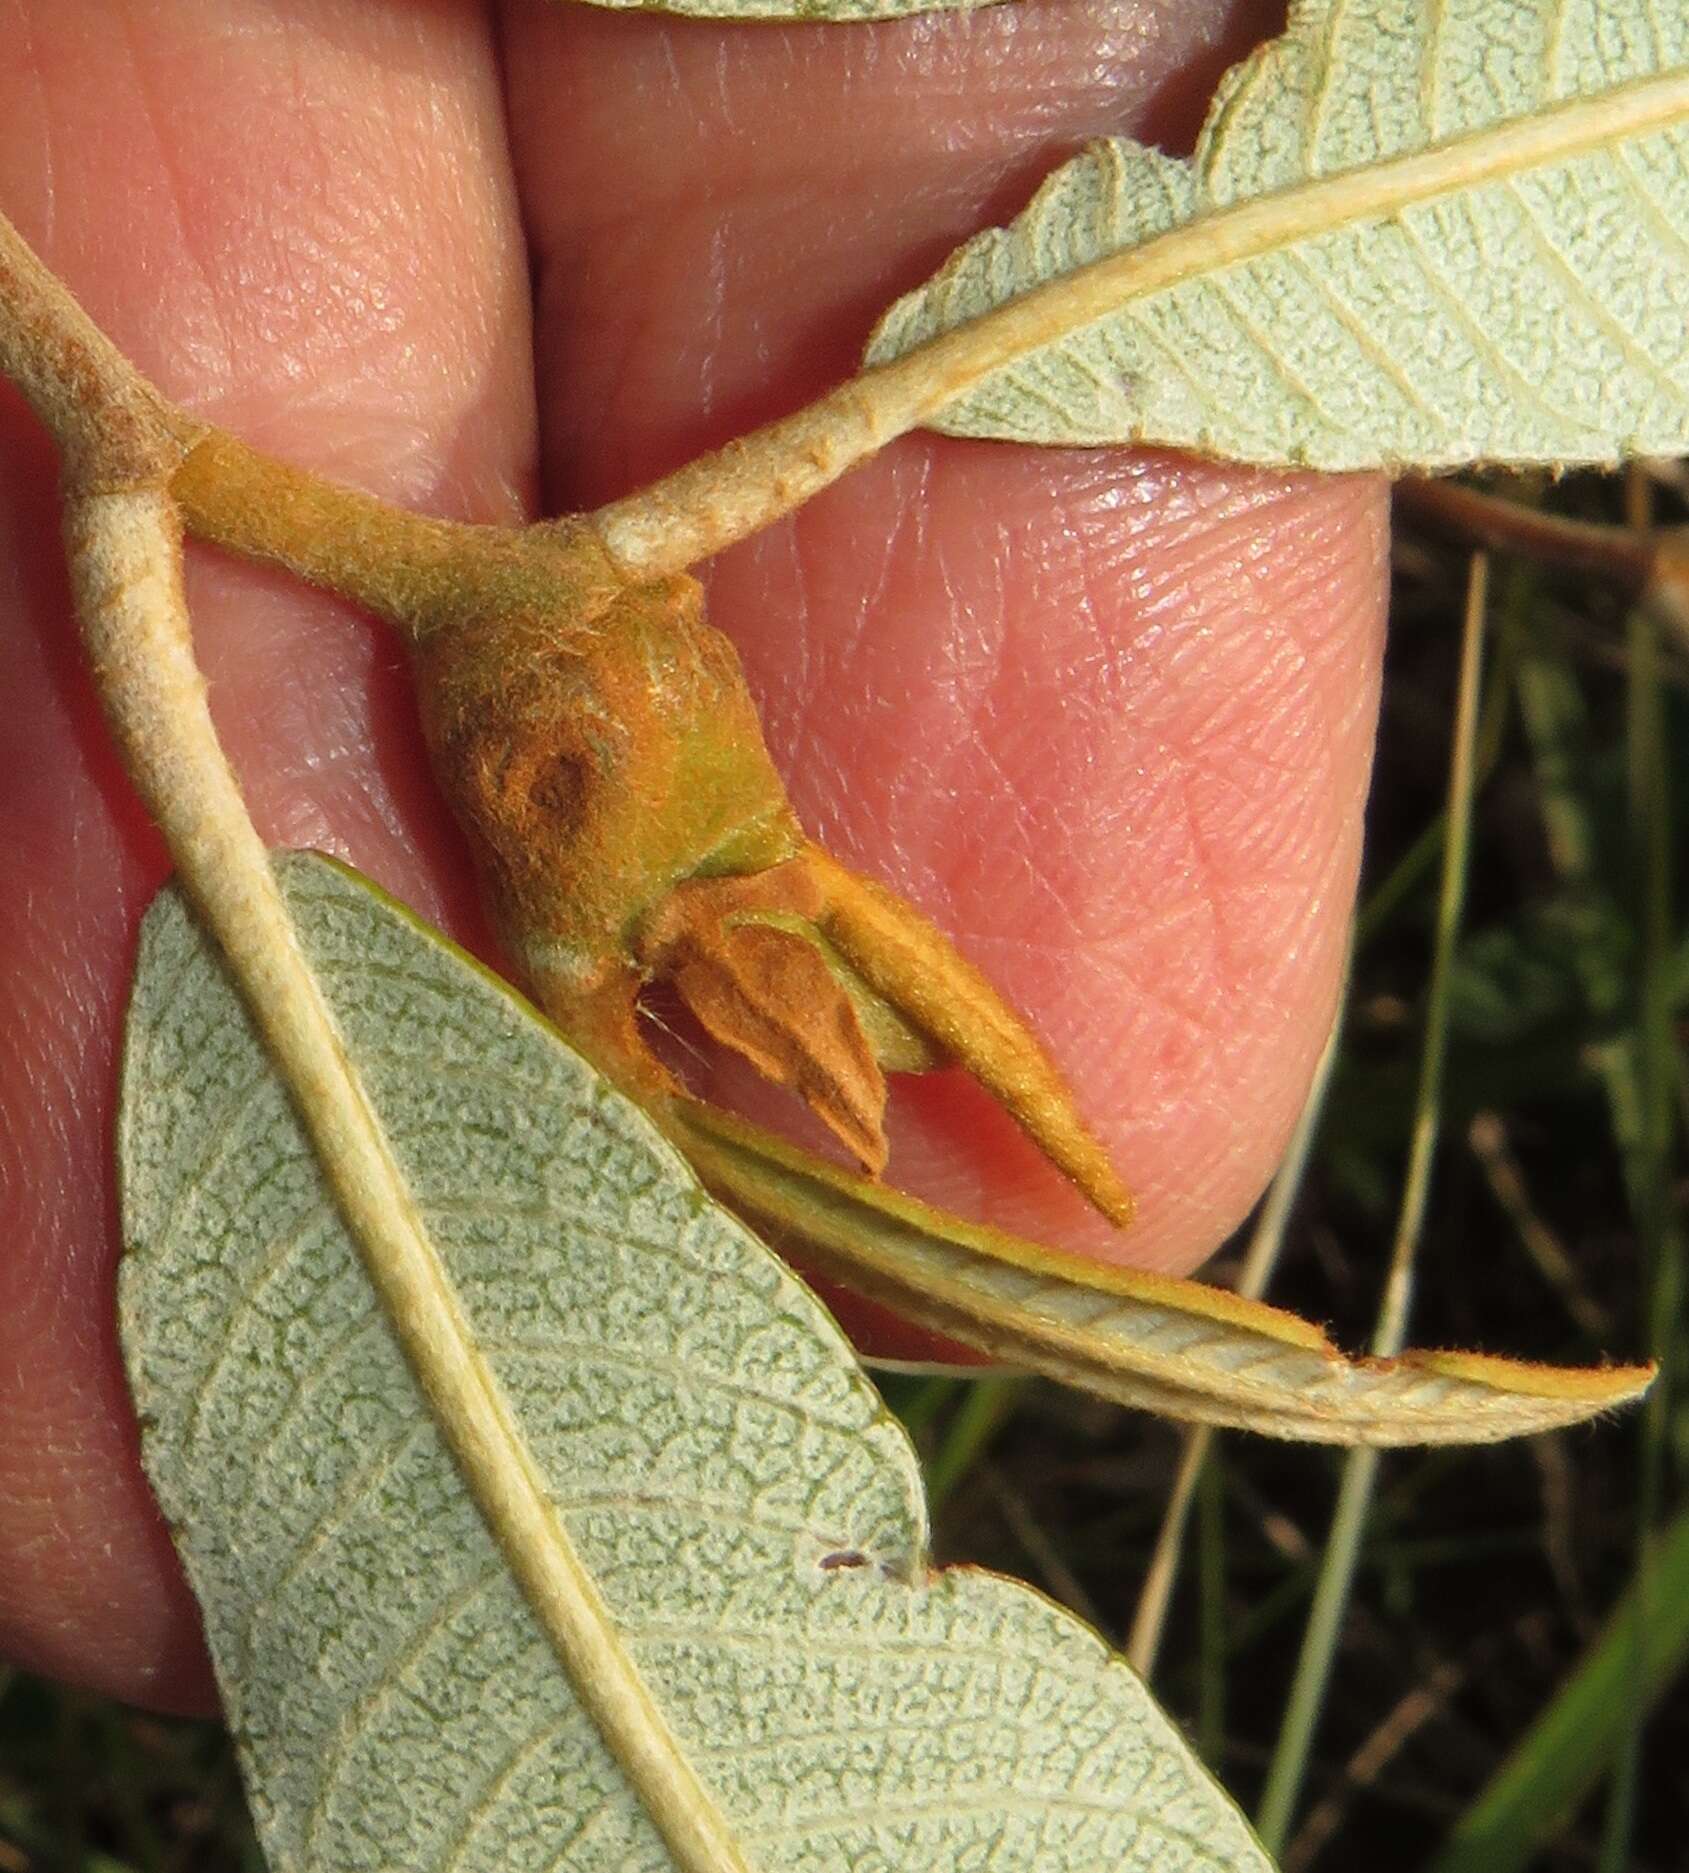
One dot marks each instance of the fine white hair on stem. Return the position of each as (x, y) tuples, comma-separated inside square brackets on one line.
[(126, 571), (113, 428)]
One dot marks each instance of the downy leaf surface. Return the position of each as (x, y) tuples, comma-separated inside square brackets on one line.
[(735, 1523), (1149, 1341), (1411, 234)]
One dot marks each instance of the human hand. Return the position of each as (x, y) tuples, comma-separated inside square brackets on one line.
[(1105, 717)]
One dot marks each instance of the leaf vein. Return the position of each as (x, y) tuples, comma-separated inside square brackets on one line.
[(1327, 62), (489, 1796), (1664, 229), (1378, 356), (224, 1129), (973, 1802), (335, 1515), (1483, 346), (305, 1386), (357, 1717), (579, 1225), (274, 1262), (1580, 293), (877, 1645), (686, 1377), (1430, 68), (713, 1510)]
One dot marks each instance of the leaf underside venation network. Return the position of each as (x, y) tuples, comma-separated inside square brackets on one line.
[(752, 1518)]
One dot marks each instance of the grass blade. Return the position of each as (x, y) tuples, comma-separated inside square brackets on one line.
[(1149, 1621), (1649, 1164), (1290, 1755), (1574, 1740)]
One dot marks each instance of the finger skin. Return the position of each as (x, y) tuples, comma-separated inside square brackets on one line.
[(241, 196), (1106, 717)]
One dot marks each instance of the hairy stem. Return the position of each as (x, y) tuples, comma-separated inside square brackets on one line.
[(116, 431), (112, 427), (416, 572), (125, 557)]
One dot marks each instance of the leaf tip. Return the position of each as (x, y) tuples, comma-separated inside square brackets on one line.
[(1598, 1387)]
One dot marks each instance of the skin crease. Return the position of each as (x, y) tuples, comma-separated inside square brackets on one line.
[(1106, 717)]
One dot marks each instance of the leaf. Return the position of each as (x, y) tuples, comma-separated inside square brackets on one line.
[(1146, 1340), (732, 1540), (1410, 234)]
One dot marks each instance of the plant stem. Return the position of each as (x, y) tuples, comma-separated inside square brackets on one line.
[(1491, 521), (414, 571), (1391, 1331), (1337, 1568), (1420, 860), (1211, 1612), (984, 1407), (1487, 1136), (114, 430), (125, 559)]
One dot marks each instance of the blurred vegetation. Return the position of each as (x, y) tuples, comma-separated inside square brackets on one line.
[(1507, 1654)]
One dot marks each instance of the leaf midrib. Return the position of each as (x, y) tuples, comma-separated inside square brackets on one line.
[(954, 363), (475, 1419), (720, 499)]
